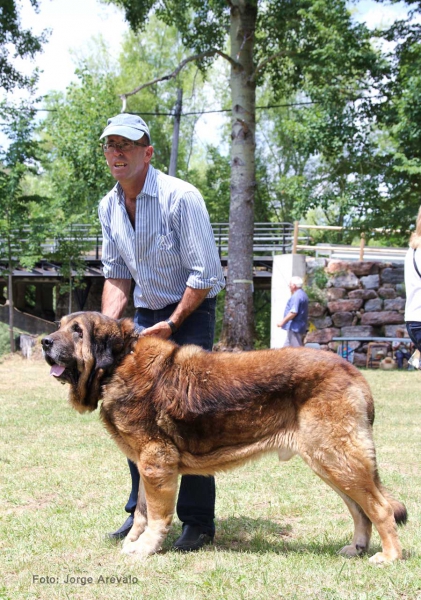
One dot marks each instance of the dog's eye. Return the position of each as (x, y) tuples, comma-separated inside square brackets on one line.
[(57, 324), (77, 329)]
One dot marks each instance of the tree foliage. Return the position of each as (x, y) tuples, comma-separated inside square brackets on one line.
[(21, 232), (324, 159), (16, 42), (74, 159), (354, 161), (399, 117), (19, 226)]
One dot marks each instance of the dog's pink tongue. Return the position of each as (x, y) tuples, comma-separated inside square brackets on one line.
[(56, 370)]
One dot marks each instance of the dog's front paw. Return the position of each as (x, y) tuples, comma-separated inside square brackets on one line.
[(128, 542), (132, 549), (141, 548)]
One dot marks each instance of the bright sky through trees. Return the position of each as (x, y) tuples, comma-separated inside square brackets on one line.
[(74, 22)]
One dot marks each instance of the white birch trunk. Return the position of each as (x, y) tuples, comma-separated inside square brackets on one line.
[(237, 331)]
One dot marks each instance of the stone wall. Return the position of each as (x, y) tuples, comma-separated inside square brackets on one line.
[(354, 299)]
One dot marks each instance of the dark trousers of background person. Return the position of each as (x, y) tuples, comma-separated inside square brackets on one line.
[(196, 497), (400, 355), (414, 332)]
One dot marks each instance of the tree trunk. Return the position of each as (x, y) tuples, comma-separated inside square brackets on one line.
[(176, 134), (27, 342), (238, 326), (70, 288)]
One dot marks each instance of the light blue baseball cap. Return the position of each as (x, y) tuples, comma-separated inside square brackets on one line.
[(129, 126)]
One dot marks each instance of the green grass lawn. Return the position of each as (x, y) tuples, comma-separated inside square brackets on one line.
[(64, 484)]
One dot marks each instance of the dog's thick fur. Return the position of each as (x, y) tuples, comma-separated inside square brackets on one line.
[(176, 410)]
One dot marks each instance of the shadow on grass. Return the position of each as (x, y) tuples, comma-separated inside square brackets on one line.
[(260, 536), (263, 536)]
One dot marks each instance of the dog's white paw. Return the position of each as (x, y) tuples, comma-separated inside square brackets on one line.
[(135, 549), (141, 548), (130, 539)]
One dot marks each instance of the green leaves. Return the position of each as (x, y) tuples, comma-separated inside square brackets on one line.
[(16, 42), (399, 118), (71, 132), (20, 158)]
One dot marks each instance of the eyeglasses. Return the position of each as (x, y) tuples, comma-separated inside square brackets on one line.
[(124, 147)]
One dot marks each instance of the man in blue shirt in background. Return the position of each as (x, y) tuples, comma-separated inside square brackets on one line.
[(296, 314)]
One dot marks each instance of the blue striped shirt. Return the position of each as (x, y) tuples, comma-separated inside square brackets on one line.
[(171, 247)]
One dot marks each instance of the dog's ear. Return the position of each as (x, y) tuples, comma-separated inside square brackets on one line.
[(129, 332), (111, 341), (105, 342), (105, 349)]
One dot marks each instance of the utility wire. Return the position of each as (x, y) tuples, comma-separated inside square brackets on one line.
[(222, 110), (198, 112)]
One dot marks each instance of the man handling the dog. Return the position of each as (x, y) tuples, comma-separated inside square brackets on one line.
[(156, 231), (295, 314)]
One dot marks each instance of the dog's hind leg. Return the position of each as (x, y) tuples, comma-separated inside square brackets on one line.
[(355, 480), (362, 526), (362, 530), (381, 513)]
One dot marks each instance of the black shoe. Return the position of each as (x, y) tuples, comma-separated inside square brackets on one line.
[(123, 531), (192, 538)]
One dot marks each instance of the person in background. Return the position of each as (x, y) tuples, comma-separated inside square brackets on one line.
[(401, 349), (413, 285), (296, 314), (156, 231)]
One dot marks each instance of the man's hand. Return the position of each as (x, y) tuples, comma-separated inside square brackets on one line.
[(161, 330), (290, 316), (191, 299)]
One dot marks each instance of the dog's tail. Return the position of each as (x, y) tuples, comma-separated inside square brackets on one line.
[(399, 509)]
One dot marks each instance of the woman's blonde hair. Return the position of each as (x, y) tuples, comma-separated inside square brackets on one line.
[(415, 239)]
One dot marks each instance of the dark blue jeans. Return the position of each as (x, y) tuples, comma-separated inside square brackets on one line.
[(414, 332), (400, 355), (196, 497)]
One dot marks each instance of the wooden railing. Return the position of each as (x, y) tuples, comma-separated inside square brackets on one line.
[(360, 252), (268, 238)]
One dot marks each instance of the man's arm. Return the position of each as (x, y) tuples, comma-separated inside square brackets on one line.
[(289, 317), (115, 296), (192, 299)]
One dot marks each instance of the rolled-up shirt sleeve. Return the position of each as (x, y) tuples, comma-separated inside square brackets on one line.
[(113, 266), (296, 303), (198, 251)]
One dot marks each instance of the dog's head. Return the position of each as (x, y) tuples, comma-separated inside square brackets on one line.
[(86, 347)]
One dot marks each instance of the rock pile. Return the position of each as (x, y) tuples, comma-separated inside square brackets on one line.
[(358, 299)]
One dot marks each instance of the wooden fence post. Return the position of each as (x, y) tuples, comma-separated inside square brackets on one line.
[(362, 244), (295, 241)]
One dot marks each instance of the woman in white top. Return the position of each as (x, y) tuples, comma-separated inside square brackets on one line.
[(413, 285)]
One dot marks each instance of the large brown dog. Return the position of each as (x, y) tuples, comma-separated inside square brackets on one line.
[(183, 410)]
